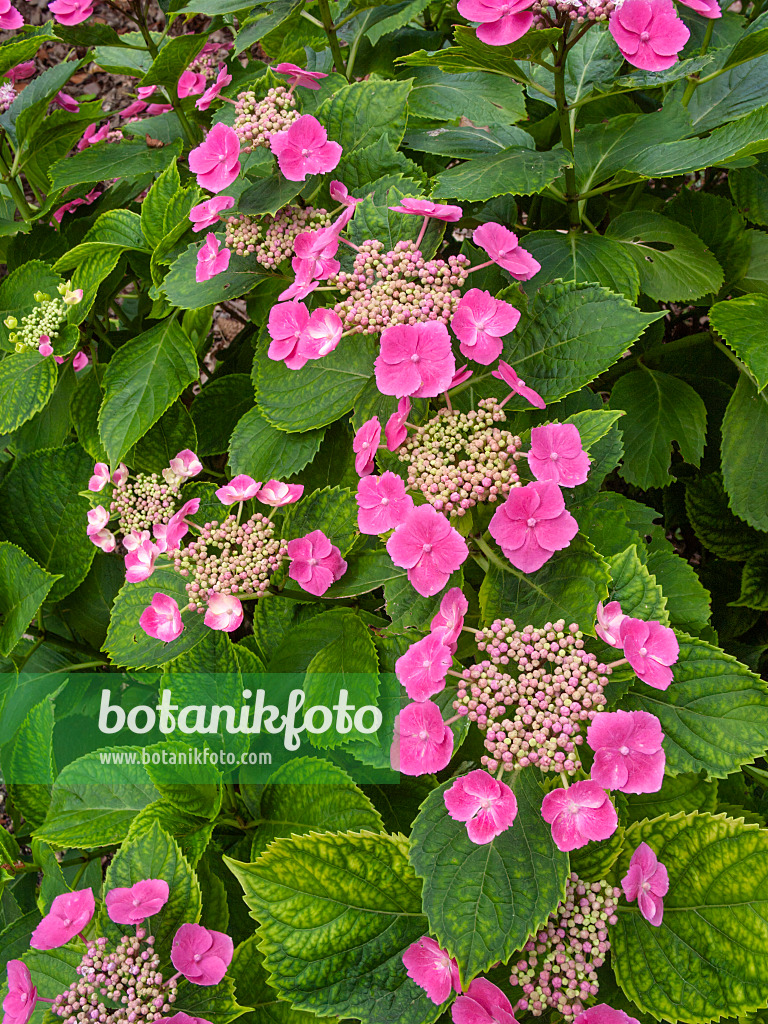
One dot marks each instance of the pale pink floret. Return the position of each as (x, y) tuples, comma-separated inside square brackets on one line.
[(304, 149), (500, 22), (134, 538), (415, 360), (647, 881), (609, 620), (69, 914), (486, 804), (136, 903), (502, 246), (276, 493), (628, 751), (140, 563), (648, 33), (364, 445), (423, 667), (650, 649), (422, 742), (432, 969), (100, 477), (506, 373), (707, 8), (383, 503), (205, 214), (484, 1003), (186, 464), (67, 12), (222, 81), (426, 208), (104, 539), (300, 76), (321, 335), (45, 348), (579, 814), (427, 546), (448, 622), (604, 1014), (556, 454), (20, 1000), (315, 253), (162, 619), (97, 519), (286, 324), (216, 161), (315, 562), (201, 954), (224, 612), (120, 475), (395, 430), (532, 524), (480, 323), (191, 83), (79, 361), (211, 259), (240, 488)]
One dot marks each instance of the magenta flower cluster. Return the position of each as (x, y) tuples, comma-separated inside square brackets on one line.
[(649, 647)]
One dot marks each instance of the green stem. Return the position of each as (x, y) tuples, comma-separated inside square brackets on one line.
[(566, 132), (694, 83), (490, 554), (355, 44), (69, 645), (608, 188), (330, 31)]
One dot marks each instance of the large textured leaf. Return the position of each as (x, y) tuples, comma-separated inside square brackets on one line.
[(126, 159), (636, 590), (744, 453), (754, 583), (584, 259), (359, 113), (684, 793), (481, 98), (23, 588), (309, 891), (483, 901), (217, 410), (27, 381), (516, 171), (706, 958), (264, 452), (251, 981), (143, 378), (741, 322), (714, 714), (718, 529)]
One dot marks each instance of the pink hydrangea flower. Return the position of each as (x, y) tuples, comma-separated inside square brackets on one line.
[(448, 622), (480, 323), (182, 1018), (186, 464), (628, 751), (432, 969), (423, 667), (647, 881), (532, 524), (365, 443), (68, 12), (316, 253), (303, 284), (45, 348), (556, 454), (205, 214), (201, 954), (340, 194), (169, 536), (502, 246), (648, 33), (19, 1003), (140, 563), (100, 477), (315, 562), (609, 620), (66, 102), (97, 519), (486, 804), (426, 208), (604, 1014), (11, 19), (427, 546), (650, 649), (500, 23), (484, 1003), (223, 79), (133, 109), (104, 539), (191, 83), (415, 360), (216, 161), (138, 902), (224, 612), (240, 488), (519, 387), (304, 149), (277, 494), (134, 538), (162, 619), (120, 475), (707, 8), (21, 71), (300, 76), (321, 335), (286, 324), (79, 362), (422, 742), (211, 259), (92, 134), (579, 814), (462, 374), (69, 914), (383, 503), (395, 430)]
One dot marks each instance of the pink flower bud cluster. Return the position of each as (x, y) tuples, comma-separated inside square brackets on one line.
[(560, 968), (272, 238), (128, 978), (458, 458), (143, 501), (230, 558), (398, 287), (548, 12), (258, 120), (7, 96), (535, 718)]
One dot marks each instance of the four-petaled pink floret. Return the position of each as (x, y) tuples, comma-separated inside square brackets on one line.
[(66, 12), (240, 488), (448, 622), (506, 373), (415, 360), (650, 649), (224, 612), (422, 742), (276, 493), (162, 619), (429, 548), (140, 562), (216, 161), (432, 969), (21, 998), (503, 248), (533, 524), (205, 214), (304, 148), (487, 805), (483, 1003), (136, 903), (423, 667), (609, 620), (211, 259), (201, 954), (364, 445), (70, 912), (628, 751), (500, 21), (647, 881), (579, 814), (649, 33), (556, 454), (604, 1014), (481, 323), (315, 563), (299, 76), (383, 503), (426, 208)]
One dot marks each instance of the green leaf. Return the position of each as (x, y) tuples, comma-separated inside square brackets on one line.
[(593, 861), (408, 609), (678, 793), (156, 202), (115, 230), (243, 274), (749, 188), (480, 97), (307, 891), (27, 111), (374, 218), (192, 833), (714, 715), (594, 424), (17, 50), (86, 811), (217, 410), (583, 259), (265, 453), (23, 588), (471, 54), (214, 1003), (172, 60), (193, 789), (332, 510), (172, 433), (636, 590), (705, 959), (143, 378), (349, 663), (84, 409), (27, 381), (28, 760), (744, 452), (302, 642), (318, 393), (365, 572), (754, 583), (660, 410), (741, 322), (484, 901), (268, 195), (516, 171), (687, 599), (359, 113), (718, 529), (673, 263), (247, 972), (106, 160), (42, 511)]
